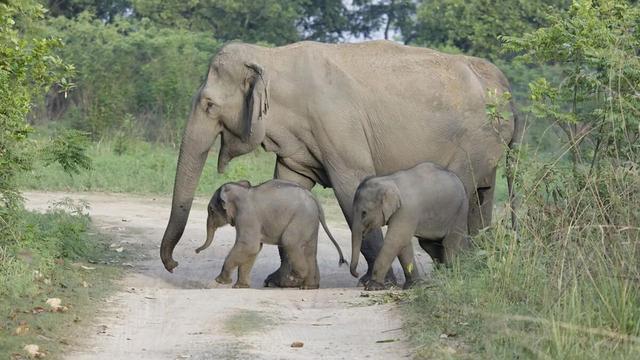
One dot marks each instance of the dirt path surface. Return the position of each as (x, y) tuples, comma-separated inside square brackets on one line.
[(186, 315)]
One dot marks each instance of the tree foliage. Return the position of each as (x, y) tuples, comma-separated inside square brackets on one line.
[(271, 21), (106, 10), (474, 26), (595, 100), (133, 69), (27, 65), (386, 16)]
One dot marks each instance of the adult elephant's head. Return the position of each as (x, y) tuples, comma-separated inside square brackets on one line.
[(233, 103)]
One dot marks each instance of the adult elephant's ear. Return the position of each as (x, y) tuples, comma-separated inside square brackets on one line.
[(256, 105)]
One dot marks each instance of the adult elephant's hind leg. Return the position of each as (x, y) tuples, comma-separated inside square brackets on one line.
[(280, 277), (481, 204)]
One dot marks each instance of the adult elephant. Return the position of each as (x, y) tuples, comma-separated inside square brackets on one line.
[(335, 114)]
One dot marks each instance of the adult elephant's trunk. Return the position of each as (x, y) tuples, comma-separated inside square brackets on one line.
[(356, 244), (198, 138)]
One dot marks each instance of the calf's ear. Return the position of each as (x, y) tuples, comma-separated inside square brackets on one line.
[(244, 183), (390, 201), (227, 202)]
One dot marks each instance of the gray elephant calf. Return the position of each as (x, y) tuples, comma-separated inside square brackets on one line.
[(276, 212), (426, 201)]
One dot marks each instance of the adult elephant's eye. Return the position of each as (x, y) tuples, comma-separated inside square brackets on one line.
[(364, 213)]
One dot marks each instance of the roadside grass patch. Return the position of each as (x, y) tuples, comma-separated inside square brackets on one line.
[(150, 168), (44, 256), (568, 287), (147, 168)]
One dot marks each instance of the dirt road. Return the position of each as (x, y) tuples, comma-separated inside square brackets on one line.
[(186, 315)]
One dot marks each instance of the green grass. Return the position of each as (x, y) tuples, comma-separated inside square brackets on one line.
[(41, 257), (567, 288), (147, 168)]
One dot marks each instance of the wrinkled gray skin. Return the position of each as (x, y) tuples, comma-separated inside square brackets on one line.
[(335, 114), (276, 212), (425, 201)]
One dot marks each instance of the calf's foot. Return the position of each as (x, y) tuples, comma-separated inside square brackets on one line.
[(373, 285), (222, 279)]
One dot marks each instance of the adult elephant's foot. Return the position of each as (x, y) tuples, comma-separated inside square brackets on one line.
[(373, 285), (240, 286)]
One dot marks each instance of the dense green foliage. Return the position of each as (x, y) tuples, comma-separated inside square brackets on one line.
[(132, 75), (34, 247), (566, 285), (475, 26), (26, 65), (130, 55)]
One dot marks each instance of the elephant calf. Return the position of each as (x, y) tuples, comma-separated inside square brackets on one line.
[(276, 212), (425, 201)]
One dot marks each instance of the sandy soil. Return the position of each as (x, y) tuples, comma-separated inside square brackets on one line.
[(186, 315)]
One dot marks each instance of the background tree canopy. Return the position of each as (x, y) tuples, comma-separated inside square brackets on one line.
[(130, 55)]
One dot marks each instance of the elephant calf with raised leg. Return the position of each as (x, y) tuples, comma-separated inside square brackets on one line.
[(425, 201), (276, 212)]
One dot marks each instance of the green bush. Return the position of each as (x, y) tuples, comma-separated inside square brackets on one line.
[(566, 284), (565, 288), (131, 75), (30, 248)]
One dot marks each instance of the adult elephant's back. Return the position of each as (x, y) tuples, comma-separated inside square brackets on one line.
[(412, 105)]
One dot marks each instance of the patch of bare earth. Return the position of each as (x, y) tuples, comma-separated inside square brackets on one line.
[(185, 315)]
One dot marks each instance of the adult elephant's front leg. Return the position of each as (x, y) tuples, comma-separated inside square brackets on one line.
[(282, 277)]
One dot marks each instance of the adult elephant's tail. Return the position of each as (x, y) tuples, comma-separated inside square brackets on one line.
[(511, 162)]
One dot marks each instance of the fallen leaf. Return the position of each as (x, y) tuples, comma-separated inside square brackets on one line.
[(120, 249), (56, 305), (22, 329), (37, 310), (149, 297), (37, 275), (85, 284), (297, 344), (33, 351), (87, 267), (443, 336)]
